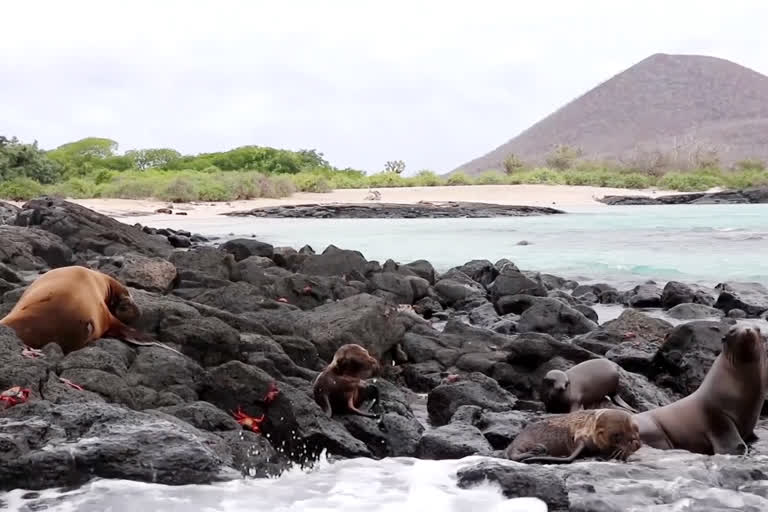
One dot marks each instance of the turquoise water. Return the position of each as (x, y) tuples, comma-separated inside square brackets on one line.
[(619, 244)]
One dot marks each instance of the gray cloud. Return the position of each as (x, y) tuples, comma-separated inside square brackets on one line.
[(432, 83)]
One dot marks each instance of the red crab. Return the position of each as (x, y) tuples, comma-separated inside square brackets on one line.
[(249, 421), (14, 396), (32, 353), (71, 384), (271, 394)]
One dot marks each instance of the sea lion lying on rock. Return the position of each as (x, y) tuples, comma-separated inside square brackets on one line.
[(341, 387), (562, 438), (72, 306), (720, 416), (584, 386)]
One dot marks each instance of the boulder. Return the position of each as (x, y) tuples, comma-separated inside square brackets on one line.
[(33, 249), (752, 298), (453, 441), (86, 231), (139, 271), (551, 316), (472, 389), (242, 248)]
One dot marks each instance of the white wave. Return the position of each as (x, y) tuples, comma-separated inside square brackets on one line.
[(388, 485)]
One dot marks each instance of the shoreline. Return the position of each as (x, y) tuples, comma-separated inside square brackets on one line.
[(553, 196)]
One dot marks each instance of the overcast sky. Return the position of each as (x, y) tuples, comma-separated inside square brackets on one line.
[(433, 83)]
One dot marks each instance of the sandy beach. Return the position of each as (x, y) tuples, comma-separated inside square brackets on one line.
[(558, 196)]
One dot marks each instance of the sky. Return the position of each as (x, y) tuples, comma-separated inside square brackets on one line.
[(432, 83)]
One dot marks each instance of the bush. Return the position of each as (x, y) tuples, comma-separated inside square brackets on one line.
[(388, 179), (20, 189), (458, 178), (490, 178), (427, 179), (75, 188), (307, 182), (179, 190)]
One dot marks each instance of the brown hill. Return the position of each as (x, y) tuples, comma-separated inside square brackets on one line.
[(666, 104)]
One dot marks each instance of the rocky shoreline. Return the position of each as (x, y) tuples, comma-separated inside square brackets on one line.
[(423, 209), (744, 196), (246, 315)]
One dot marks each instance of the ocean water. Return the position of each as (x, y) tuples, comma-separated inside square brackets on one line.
[(622, 245)]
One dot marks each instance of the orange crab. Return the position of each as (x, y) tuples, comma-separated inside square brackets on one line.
[(272, 393), (249, 421), (14, 396)]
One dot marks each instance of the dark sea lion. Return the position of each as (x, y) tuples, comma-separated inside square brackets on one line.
[(341, 386), (72, 306), (562, 438), (720, 416), (584, 386)]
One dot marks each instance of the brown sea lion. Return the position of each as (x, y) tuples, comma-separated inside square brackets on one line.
[(341, 387), (720, 416), (584, 386), (609, 433), (72, 306)]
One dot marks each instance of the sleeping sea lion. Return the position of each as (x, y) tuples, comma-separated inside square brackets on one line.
[(72, 306), (720, 416), (562, 438), (341, 387)]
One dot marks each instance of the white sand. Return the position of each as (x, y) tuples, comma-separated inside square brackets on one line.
[(558, 196)]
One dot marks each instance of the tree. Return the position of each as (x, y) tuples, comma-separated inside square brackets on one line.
[(19, 160), (512, 164), (563, 157), (79, 158), (149, 158), (395, 166)]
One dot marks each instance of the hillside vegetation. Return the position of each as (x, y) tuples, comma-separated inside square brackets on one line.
[(665, 113), (92, 167)]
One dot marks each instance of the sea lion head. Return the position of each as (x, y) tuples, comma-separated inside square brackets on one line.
[(743, 344), (616, 433), (555, 382), (355, 361), (125, 309)]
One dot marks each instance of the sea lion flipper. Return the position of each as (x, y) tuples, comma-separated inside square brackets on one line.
[(621, 403), (558, 460), (727, 441)]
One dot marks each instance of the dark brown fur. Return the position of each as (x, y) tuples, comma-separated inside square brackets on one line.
[(72, 306), (341, 387), (609, 433)]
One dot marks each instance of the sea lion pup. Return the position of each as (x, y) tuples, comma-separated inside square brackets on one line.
[(72, 306), (720, 416), (341, 386), (562, 438), (584, 386)]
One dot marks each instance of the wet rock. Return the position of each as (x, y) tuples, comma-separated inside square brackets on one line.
[(421, 268), (69, 444), (309, 292), (453, 441), (204, 416), (458, 287), (644, 296), (242, 248), (206, 261), (752, 298), (84, 230), (294, 423), (510, 282), (138, 271), (236, 297), (208, 341), (472, 389), (484, 316), (8, 213), (553, 317), (363, 319), (737, 313), (395, 284), (33, 249), (519, 480), (481, 271), (179, 241), (7, 274), (675, 293), (687, 354), (688, 311), (334, 262)]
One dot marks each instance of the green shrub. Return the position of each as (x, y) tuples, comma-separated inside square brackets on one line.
[(179, 190), (427, 178), (457, 179), (387, 180), (20, 189), (491, 178), (308, 182), (75, 188)]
